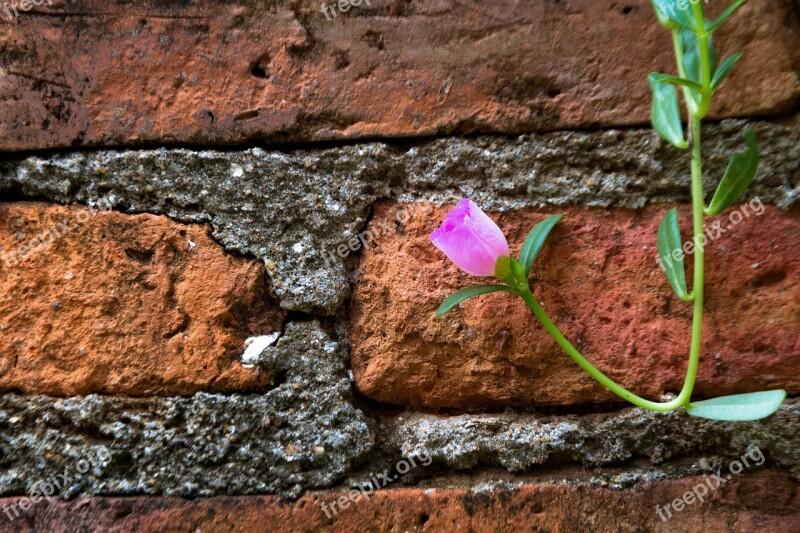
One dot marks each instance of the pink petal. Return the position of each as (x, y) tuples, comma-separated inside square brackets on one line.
[(471, 239)]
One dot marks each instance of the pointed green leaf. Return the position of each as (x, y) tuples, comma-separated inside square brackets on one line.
[(739, 175), (727, 13), (665, 115), (535, 240), (469, 292), (725, 69), (666, 78), (672, 13), (739, 407), (670, 254), (691, 60)]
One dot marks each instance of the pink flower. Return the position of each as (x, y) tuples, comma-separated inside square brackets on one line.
[(471, 239)]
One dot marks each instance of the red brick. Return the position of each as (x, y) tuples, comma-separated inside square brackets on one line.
[(124, 304), (107, 72), (599, 281), (765, 501)]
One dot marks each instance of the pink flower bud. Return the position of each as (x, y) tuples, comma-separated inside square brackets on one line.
[(471, 239)]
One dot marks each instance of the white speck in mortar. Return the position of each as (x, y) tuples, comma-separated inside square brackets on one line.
[(254, 346)]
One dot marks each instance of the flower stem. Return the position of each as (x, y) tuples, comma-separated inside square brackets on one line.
[(590, 369), (698, 284), (696, 114)]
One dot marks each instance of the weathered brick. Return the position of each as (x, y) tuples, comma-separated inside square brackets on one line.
[(599, 281), (93, 72), (764, 501), (123, 304)]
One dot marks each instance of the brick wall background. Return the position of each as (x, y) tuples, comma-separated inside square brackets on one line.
[(175, 181)]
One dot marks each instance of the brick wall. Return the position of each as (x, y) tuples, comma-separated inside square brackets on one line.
[(185, 347)]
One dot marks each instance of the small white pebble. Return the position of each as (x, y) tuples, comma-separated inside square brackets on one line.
[(755, 265)]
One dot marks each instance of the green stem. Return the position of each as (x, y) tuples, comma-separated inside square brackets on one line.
[(590, 369), (698, 285), (705, 63)]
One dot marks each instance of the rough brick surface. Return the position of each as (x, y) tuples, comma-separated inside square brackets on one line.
[(599, 281), (124, 304), (95, 72), (762, 501)]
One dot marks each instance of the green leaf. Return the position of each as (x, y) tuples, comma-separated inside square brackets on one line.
[(725, 69), (669, 240), (739, 407), (666, 78), (671, 15), (467, 293), (727, 13), (665, 114), (535, 240), (691, 61), (739, 175)]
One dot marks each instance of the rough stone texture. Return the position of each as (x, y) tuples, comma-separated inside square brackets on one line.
[(96, 301), (293, 210), (627, 168), (527, 442), (599, 281), (304, 433), (94, 73), (762, 501)]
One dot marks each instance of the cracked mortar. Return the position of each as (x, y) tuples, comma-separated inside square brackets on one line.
[(210, 444), (288, 209), (521, 442)]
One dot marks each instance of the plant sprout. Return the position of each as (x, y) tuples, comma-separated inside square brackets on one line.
[(475, 243)]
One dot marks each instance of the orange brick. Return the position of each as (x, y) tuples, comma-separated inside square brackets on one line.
[(598, 280), (764, 501), (123, 304), (225, 73)]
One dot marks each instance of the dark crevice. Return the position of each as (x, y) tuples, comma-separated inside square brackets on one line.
[(402, 142)]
